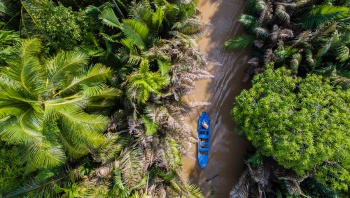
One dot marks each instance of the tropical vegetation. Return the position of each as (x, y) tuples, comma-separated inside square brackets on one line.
[(295, 112), (92, 99)]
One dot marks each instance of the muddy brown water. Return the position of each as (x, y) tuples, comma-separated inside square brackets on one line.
[(228, 150)]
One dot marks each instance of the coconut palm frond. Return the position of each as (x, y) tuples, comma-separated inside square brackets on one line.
[(241, 189), (8, 9), (254, 61), (282, 14), (266, 14), (261, 32), (260, 5), (89, 126), (200, 74), (131, 167), (112, 148), (73, 150), (327, 69), (172, 155), (258, 175), (275, 33), (14, 94), (295, 62), (45, 155), (301, 3), (248, 21), (303, 38), (150, 125), (342, 81), (30, 47), (175, 120), (118, 189), (269, 56), (342, 53), (293, 187), (27, 70), (190, 26), (106, 93), (157, 18), (195, 104), (164, 67), (156, 113), (309, 58), (259, 43), (240, 42), (137, 32), (286, 33), (109, 18), (143, 82), (192, 190), (323, 14), (324, 49), (20, 130), (88, 78), (284, 52), (8, 39), (62, 64), (42, 188), (142, 13)]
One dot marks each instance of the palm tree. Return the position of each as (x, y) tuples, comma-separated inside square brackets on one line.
[(301, 35), (322, 14), (144, 82), (164, 64), (267, 180), (42, 105)]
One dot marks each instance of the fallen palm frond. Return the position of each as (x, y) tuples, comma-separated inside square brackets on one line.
[(241, 189)]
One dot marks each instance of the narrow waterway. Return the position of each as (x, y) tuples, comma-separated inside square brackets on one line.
[(227, 149)]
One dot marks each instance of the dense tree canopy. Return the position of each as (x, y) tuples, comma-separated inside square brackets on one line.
[(303, 123), (56, 101)]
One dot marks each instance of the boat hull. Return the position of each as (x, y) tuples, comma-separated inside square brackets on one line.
[(203, 140)]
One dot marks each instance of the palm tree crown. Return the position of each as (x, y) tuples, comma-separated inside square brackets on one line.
[(42, 105)]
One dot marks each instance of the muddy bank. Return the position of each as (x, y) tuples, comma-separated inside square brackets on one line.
[(227, 149)]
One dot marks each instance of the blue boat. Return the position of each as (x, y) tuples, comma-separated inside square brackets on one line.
[(203, 139)]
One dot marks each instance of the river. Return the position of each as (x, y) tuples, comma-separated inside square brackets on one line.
[(228, 150)]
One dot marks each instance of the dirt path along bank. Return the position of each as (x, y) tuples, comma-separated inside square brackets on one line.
[(227, 149)]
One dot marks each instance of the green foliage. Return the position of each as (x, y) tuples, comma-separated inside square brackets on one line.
[(64, 29), (144, 82), (8, 39), (11, 168), (284, 52), (118, 188), (256, 160), (42, 105), (150, 125), (57, 101), (301, 123), (315, 189), (42, 185), (109, 18), (322, 14), (240, 42)]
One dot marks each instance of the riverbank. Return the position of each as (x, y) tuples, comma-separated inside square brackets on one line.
[(227, 149)]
